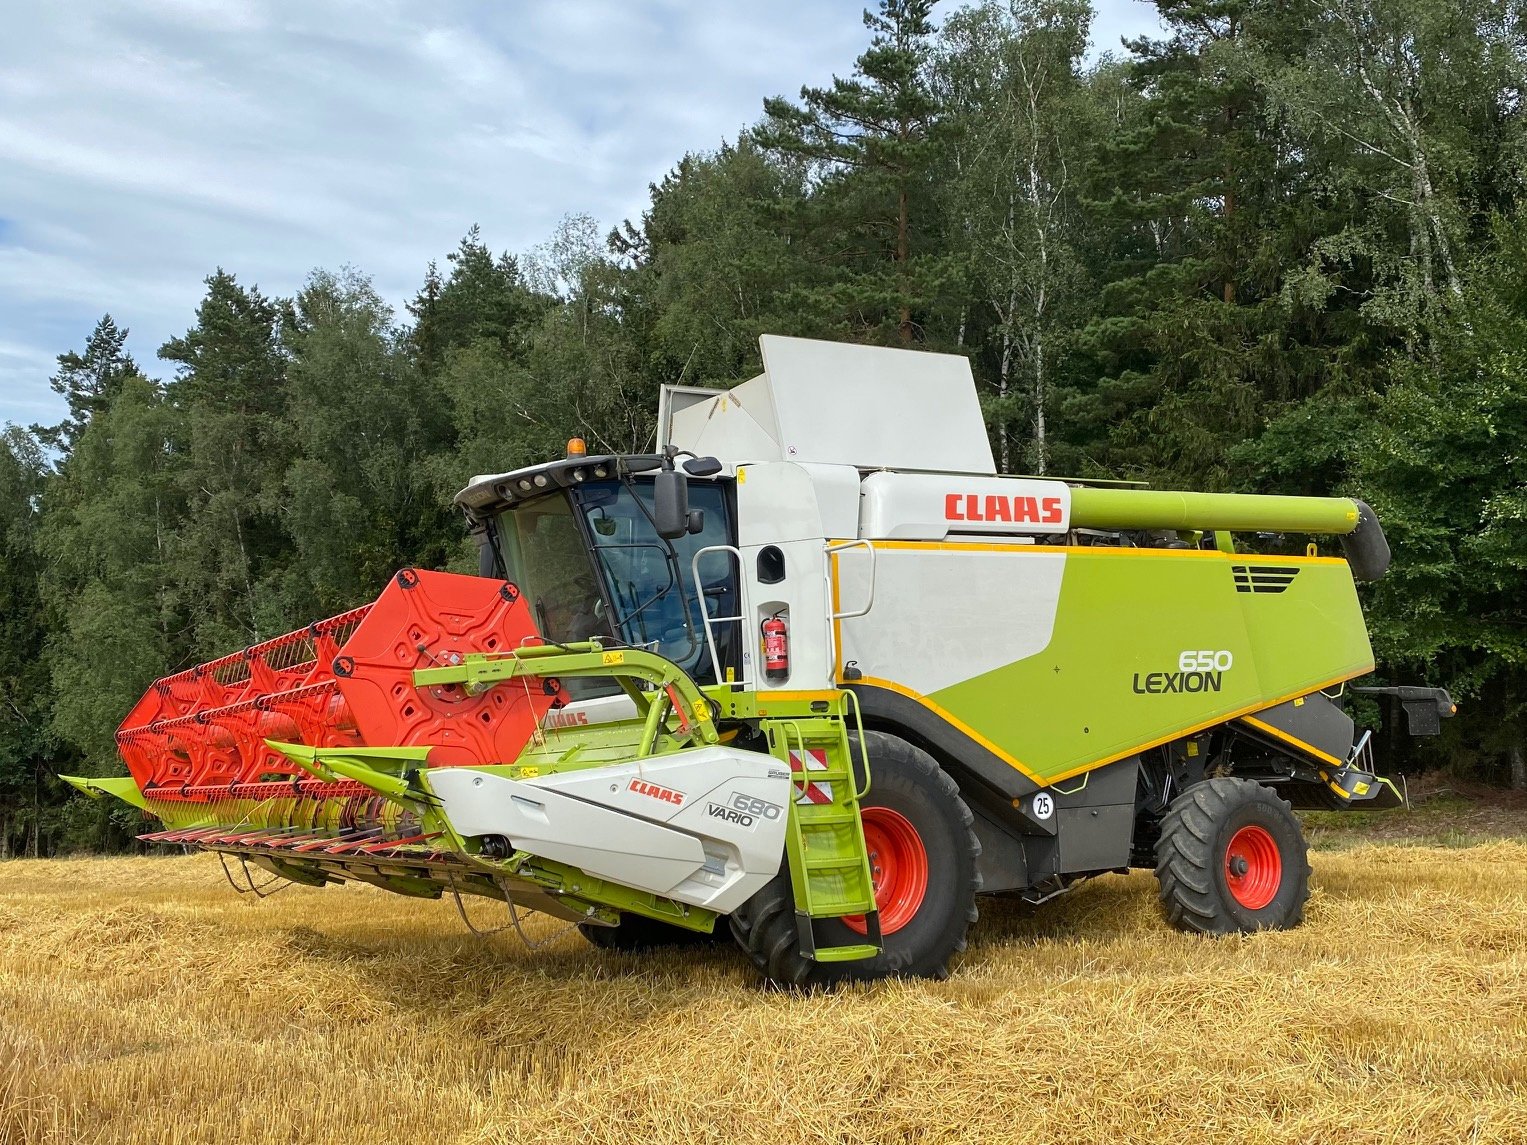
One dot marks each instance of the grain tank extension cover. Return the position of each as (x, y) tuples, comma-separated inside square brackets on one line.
[(837, 403)]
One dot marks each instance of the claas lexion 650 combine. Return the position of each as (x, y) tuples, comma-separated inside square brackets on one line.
[(813, 675)]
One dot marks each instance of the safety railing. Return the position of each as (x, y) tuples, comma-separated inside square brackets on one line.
[(710, 621)]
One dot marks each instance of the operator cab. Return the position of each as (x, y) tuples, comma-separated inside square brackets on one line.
[(580, 538)]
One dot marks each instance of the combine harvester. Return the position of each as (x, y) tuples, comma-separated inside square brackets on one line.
[(815, 673)]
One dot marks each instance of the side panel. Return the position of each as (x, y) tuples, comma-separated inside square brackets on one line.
[(780, 506), (1144, 645)]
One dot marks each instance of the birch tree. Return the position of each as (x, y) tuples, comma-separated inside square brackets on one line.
[(1012, 74), (1398, 96)]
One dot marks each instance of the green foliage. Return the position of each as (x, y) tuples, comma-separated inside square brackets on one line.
[(869, 142), (230, 390), (366, 428), (482, 299), (716, 262), (25, 735), (114, 589), (1446, 463), (1278, 247), (88, 382)]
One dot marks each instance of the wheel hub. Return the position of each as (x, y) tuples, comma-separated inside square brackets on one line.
[(1253, 867), (898, 869)]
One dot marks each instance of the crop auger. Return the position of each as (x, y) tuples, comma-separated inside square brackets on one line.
[(813, 672)]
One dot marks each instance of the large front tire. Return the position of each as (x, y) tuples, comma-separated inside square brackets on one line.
[(1232, 859), (923, 850)]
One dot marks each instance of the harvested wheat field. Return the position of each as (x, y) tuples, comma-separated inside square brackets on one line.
[(142, 1001)]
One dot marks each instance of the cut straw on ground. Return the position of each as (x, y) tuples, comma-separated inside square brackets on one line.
[(142, 1001)]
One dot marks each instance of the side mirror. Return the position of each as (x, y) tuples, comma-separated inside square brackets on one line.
[(670, 504)]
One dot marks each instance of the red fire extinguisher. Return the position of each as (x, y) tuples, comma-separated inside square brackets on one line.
[(776, 648)]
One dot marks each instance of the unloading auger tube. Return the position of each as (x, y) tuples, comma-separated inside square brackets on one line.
[(810, 678), (1362, 536)]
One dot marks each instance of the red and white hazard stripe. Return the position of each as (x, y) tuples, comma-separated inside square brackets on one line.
[(811, 760)]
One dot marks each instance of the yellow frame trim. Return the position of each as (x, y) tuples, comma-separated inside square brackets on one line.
[(1099, 551), (1046, 781), (1295, 740), (1012, 761)]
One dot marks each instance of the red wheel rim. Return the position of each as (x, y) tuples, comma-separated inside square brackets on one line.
[(1253, 867), (898, 869)]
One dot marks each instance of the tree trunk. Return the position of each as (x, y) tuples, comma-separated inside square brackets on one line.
[(1004, 461), (1518, 766), (36, 810), (904, 326), (1229, 290), (1041, 446)]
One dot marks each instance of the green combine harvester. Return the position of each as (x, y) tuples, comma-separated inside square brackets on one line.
[(813, 674)]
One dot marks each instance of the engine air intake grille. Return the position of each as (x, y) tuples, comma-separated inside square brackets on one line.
[(1263, 578)]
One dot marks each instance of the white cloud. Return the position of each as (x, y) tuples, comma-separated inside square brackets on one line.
[(145, 142)]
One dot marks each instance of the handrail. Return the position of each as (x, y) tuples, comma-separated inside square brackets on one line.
[(833, 550), (478, 672), (707, 620)]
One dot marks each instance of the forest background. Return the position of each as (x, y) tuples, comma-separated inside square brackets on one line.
[(1279, 247)]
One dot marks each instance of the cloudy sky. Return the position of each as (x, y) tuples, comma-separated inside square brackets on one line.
[(145, 142)]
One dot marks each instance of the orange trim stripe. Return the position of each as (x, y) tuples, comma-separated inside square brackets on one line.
[(1014, 762), (1101, 551), (1046, 781), (1286, 738)]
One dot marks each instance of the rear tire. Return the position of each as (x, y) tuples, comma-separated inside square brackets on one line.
[(928, 866), (637, 932), (1232, 859)]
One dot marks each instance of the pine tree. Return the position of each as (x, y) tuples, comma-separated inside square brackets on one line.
[(869, 141), (113, 591), (25, 735), (483, 298), (1204, 214), (367, 428), (89, 382), (231, 387)]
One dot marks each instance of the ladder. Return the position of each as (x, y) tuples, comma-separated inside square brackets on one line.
[(824, 837)]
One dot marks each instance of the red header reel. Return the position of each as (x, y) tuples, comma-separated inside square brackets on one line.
[(343, 682)]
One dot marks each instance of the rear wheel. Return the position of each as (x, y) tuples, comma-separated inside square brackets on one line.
[(1232, 858), (922, 850)]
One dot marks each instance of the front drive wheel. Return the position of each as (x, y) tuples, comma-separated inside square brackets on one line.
[(923, 850), (1232, 858)]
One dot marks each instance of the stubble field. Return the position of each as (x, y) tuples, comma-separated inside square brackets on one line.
[(142, 1001)]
